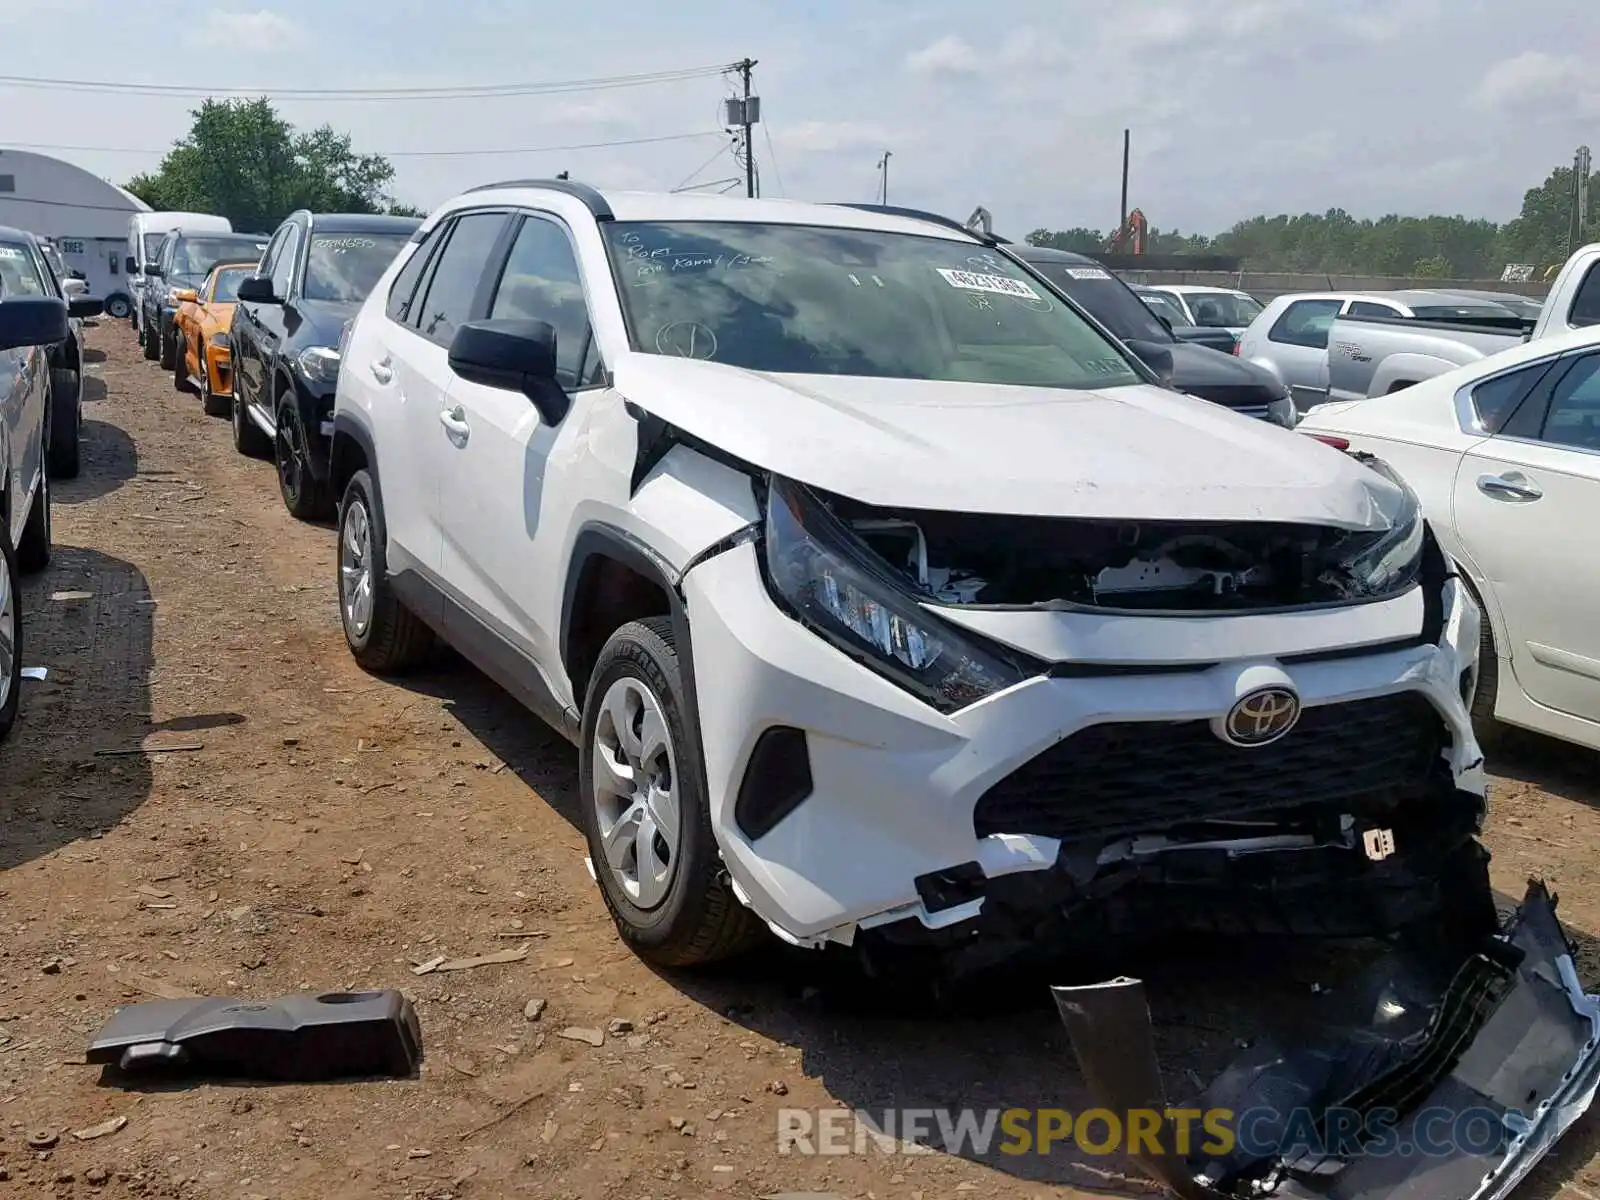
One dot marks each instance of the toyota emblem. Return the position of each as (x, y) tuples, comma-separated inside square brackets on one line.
[(1261, 717)]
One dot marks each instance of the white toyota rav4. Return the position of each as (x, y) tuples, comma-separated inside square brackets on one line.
[(889, 600)]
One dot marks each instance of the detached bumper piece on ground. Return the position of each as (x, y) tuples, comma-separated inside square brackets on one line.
[(296, 1039), (1448, 1081)]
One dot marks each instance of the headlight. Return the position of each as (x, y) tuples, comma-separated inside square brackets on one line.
[(1383, 563), (319, 363), (826, 578)]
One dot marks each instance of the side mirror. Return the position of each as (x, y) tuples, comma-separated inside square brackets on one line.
[(32, 321), (83, 306), (1159, 360), (256, 289), (183, 295), (71, 287), (514, 355), (130, 265), (153, 270)]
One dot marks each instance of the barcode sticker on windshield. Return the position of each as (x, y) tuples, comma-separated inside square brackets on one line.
[(1087, 273), (974, 281)]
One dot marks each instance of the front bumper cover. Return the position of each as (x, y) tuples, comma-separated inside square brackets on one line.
[(894, 785), (1457, 1075)]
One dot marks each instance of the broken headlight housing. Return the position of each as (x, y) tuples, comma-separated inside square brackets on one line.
[(825, 577), (1388, 562)]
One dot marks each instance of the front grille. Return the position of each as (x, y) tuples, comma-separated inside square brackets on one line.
[(1130, 777)]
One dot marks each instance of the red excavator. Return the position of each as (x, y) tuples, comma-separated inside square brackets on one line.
[(1130, 238)]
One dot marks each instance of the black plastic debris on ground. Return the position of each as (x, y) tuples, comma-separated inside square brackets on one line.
[(295, 1039)]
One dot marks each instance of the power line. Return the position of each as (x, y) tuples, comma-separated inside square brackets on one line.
[(452, 92), (640, 141), (766, 132), (690, 177)]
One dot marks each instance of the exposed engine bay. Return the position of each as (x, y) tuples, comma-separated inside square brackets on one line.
[(976, 559)]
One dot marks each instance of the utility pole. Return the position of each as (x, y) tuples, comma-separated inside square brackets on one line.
[(1122, 218), (747, 110), (1579, 221), (883, 170)]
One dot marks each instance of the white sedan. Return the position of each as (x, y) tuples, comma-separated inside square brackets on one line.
[(1505, 456)]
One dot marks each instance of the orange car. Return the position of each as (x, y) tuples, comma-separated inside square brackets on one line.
[(204, 362)]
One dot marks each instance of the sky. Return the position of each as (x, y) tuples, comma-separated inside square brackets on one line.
[(1236, 107)]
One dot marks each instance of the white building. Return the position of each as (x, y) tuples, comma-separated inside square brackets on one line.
[(85, 216)]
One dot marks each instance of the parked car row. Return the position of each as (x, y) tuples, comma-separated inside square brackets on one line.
[(41, 392)]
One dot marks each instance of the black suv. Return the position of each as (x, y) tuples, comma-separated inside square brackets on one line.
[(183, 262), (1199, 370), (286, 331)]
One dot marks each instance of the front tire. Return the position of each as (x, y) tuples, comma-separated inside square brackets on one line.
[(63, 457), (304, 495), (180, 364), (10, 634), (643, 798), (166, 342), (384, 636), (33, 547), (1488, 729), (149, 340)]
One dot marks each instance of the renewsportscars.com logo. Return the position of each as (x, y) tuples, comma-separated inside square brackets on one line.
[(1218, 1132)]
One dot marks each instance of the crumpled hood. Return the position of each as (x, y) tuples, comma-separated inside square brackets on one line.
[(1130, 453)]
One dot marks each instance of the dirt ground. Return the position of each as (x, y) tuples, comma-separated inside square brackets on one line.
[(318, 829)]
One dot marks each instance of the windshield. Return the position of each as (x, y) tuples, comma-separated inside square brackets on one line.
[(196, 256), (19, 274), (1165, 306), (814, 300), (225, 290), (1109, 300), (1222, 309), (152, 245), (345, 266)]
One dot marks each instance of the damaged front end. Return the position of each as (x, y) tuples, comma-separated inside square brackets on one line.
[(1445, 1073)]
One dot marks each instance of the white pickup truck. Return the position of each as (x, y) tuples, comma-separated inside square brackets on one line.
[(1371, 355)]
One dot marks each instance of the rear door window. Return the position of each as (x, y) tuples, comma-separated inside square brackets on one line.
[(1305, 323)]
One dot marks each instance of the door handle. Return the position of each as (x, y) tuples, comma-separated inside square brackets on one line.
[(1512, 486), (381, 370), (454, 421)]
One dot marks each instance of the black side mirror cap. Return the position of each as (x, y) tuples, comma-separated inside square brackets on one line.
[(83, 306), (515, 356), (257, 289), (33, 321), (130, 265)]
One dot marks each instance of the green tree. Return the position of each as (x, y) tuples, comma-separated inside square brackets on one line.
[(1335, 243), (241, 160)]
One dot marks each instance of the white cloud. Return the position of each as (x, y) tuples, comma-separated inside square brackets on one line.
[(1535, 81), (950, 55), (262, 31), (833, 137)]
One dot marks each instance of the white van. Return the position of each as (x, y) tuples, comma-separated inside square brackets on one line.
[(145, 231)]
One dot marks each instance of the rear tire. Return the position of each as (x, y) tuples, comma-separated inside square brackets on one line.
[(248, 439), (304, 495), (62, 457), (10, 634), (693, 917), (385, 637), (118, 308), (213, 404), (33, 547)]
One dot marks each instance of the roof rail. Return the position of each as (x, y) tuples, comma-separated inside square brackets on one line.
[(917, 214), (592, 200)]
